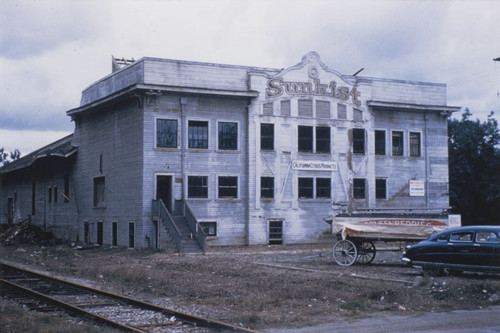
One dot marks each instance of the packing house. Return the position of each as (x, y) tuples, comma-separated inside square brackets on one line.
[(169, 153)]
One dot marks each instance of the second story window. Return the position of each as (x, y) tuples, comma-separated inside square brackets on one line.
[(415, 144), (166, 133), (306, 187), (379, 142), (266, 187), (322, 139), (358, 141), (305, 139), (99, 192), (397, 143), (198, 134), (228, 136), (267, 136)]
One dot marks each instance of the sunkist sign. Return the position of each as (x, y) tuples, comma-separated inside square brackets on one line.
[(278, 86)]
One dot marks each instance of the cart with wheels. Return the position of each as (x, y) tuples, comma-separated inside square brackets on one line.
[(356, 240)]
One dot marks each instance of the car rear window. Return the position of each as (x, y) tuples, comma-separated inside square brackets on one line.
[(486, 237), (464, 236)]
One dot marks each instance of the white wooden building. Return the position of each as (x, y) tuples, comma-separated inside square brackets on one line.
[(165, 149)]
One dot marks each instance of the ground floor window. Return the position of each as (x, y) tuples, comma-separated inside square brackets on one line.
[(228, 187), (131, 235), (381, 188), (359, 188), (100, 232), (275, 232), (197, 187), (209, 228)]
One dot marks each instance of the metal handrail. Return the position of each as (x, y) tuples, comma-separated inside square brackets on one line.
[(195, 227), (167, 220)]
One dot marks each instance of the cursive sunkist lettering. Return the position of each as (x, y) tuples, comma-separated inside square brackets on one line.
[(277, 87)]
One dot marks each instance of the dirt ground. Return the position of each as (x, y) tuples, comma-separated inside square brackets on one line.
[(264, 287)]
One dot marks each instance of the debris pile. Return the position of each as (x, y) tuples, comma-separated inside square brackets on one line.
[(23, 233)]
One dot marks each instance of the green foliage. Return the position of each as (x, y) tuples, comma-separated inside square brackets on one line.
[(474, 164)]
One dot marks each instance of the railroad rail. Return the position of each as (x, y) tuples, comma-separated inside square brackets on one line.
[(102, 307)]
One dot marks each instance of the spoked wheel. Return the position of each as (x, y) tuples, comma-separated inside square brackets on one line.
[(344, 252), (366, 252)]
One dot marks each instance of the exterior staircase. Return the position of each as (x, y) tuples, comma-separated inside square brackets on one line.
[(189, 244), (184, 231)]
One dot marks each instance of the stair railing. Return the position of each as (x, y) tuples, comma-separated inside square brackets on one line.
[(195, 227), (166, 219)]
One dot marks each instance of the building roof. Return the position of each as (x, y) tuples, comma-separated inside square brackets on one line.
[(59, 148)]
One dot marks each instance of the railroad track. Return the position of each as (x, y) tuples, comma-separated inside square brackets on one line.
[(100, 306)]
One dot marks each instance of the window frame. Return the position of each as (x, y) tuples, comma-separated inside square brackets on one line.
[(378, 188), (379, 145), (232, 137), (328, 181), (358, 142), (411, 144), (305, 187), (202, 188), (358, 189), (268, 137), (304, 140), (269, 190), (397, 144), (205, 140), (230, 187), (208, 224), (327, 139), (99, 186), (174, 146)]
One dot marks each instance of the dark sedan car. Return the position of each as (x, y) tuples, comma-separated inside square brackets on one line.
[(471, 248)]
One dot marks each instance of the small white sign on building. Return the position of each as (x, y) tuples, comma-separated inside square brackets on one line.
[(314, 165), (454, 220), (417, 188)]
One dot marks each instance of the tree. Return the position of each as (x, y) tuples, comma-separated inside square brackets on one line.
[(474, 164), (6, 157)]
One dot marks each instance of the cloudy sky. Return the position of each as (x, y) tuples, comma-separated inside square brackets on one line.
[(51, 50)]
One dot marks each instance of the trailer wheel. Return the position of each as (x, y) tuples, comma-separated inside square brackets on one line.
[(344, 252), (366, 252)]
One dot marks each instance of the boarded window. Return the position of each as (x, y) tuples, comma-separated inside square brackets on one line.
[(381, 188), (197, 187), (228, 187), (357, 115), (415, 144), (306, 188), (267, 187), (397, 143), (379, 142), (267, 136), (166, 133), (99, 192), (358, 188), (305, 108), (209, 228), (323, 188), (322, 139), (358, 141), (341, 111), (228, 136), (305, 139), (198, 135), (322, 109), (268, 109), (285, 108)]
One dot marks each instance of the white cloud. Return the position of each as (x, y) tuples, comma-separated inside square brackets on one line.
[(51, 50)]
